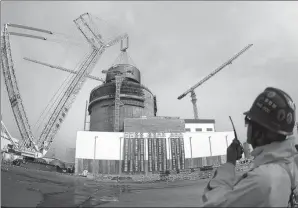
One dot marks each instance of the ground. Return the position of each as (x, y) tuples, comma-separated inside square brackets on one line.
[(31, 188)]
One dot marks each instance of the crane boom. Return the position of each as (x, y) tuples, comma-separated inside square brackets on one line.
[(27, 35), (117, 39), (29, 28), (61, 68), (94, 39), (215, 72), (15, 99), (61, 110), (76, 84), (28, 147)]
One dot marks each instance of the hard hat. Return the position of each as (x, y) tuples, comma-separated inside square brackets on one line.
[(275, 110)]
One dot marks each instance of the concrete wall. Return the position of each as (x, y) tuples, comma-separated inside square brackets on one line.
[(105, 148), (137, 99), (154, 124), (108, 144)]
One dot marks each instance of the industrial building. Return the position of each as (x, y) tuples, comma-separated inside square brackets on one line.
[(126, 135), (143, 142), (121, 108), (136, 99), (199, 125), (147, 153), (149, 145)]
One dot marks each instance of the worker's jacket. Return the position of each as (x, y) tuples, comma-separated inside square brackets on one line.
[(267, 184)]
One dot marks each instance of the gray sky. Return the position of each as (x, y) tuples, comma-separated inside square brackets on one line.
[(174, 44)]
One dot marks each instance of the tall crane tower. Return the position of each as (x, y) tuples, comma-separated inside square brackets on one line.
[(14, 95), (191, 90), (119, 77), (98, 46)]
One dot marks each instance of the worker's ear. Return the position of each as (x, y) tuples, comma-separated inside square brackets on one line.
[(260, 138), (255, 136)]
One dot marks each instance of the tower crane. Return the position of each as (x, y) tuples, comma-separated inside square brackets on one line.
[(191, 90), (98, 46)]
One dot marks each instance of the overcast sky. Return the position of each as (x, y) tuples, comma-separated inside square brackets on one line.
[(174, 44)]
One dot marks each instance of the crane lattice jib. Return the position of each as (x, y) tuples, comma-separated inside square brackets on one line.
[(63, 106), (68, 98), (61, 68), (85, 28), (15, 99), (215, 71)]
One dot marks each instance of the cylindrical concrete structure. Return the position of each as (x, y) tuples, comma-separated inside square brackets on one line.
[(137, 101), (134, 74)]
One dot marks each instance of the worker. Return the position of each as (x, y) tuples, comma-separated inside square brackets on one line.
[(271, 179)]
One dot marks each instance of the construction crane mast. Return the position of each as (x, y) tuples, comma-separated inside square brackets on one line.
[(118, 81), (191, 90), (54, 122), (119, 77), (14, 95), (98, 47)]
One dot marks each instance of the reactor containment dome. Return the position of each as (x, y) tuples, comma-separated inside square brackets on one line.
[(137, 100)]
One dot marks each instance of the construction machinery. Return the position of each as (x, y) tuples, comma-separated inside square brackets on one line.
[(119, 77), (191, 90), (27, 146), (7, 135), (61, 68)]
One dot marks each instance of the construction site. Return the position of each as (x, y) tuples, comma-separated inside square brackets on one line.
[(124, 137)]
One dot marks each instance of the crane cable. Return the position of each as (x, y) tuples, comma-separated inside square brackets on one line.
[(49, 103), (74, 43), (58, 93), (109, 26), (66, 85), (57, 96)]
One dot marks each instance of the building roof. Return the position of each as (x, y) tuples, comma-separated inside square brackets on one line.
[(199, 121)]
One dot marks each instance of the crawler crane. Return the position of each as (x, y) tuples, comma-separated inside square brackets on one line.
[(28, 147)]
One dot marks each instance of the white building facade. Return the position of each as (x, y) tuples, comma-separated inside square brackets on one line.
[(199, 125), (106, 150)]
